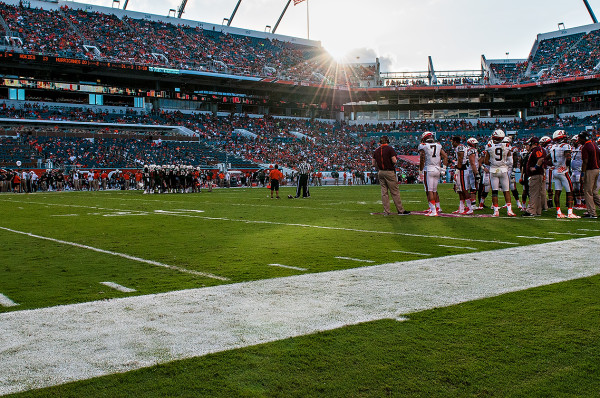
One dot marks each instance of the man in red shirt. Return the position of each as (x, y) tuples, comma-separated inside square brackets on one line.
[(275, 175), (590, 155), (384, 158)]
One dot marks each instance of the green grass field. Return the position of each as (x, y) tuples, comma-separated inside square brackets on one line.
[(539, 342)]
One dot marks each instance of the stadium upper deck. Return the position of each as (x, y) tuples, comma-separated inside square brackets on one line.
[(84, 54)]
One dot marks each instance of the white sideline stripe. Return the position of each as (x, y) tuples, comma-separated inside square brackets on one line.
[(589, 230), (56, 345), (164, 212), (6, 302), (118, 287), (459, 247), (343, 229), (533, 237), (64, 215), (416, 254), (355, 259), (288, 266), (566, 233), (127, 256)]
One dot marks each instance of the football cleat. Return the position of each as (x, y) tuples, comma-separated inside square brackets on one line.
[(467, 212), (457, 212), (496, 214), (573, 216), (560, 215), (511, 214)]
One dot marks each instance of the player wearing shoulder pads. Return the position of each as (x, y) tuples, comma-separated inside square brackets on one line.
[(560, 154), (496, 156), (432, 164)]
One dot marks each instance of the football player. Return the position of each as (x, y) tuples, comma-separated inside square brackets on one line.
[(496, 156), (560, 154), (431, 158), (513, 159), (576, 163), (460, 175), (547, 195), (472, 172)]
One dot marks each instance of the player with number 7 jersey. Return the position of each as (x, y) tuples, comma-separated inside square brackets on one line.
[(431, 159)]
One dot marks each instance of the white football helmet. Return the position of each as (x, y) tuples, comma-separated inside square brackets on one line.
[(498, 135), (545, 140), (427, 136), (472, 142), (559, 135)]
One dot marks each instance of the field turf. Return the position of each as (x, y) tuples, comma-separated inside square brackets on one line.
[(538, 342)]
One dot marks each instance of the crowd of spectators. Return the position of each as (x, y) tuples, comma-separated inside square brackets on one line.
[(75, 33), (328, 146), (93, 35)]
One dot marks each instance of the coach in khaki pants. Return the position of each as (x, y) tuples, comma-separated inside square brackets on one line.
[(590, 155), (535, 173), (384, 158)]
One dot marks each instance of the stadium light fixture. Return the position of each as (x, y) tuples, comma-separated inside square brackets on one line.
[(561, 26), (268, 28), (225, 20), (117, 2), (172, 10)]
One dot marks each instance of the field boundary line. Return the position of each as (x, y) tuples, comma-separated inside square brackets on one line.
[(122, 255), (171, 213), (56, 345)]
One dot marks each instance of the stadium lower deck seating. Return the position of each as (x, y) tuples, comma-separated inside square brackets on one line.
[(329, 146)]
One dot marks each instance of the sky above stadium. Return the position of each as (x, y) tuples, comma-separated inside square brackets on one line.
[(402, 33)]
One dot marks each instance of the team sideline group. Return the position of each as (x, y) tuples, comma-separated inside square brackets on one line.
[(569, 165)]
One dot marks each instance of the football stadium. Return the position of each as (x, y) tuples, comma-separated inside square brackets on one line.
[(196, 209)]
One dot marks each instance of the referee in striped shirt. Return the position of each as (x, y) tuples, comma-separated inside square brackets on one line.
[(303, 172)]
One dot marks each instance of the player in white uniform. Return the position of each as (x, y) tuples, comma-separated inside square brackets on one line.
[(576, 163), (496, 156), (547, 193), (472, 172), (560, 153), (460, 176), (513, 159), (431, 159)]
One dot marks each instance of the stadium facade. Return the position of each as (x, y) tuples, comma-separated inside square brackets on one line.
[(84, 72)]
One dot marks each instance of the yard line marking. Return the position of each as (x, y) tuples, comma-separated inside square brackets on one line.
[(417, 254), (164, 212), (64, 215), (566, 233), (355, 259), (118, 287), (288, 266), (113, 336), (589, 230), (6, 302), (339, 228), (459, 247), (127, 256), (534, 237)]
